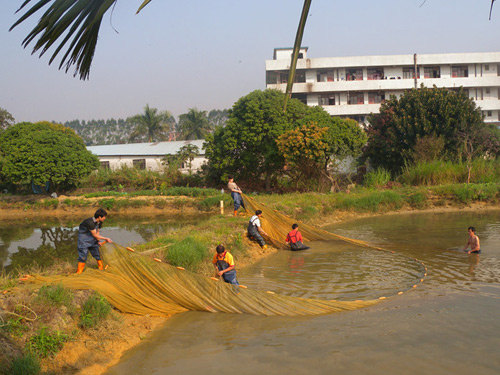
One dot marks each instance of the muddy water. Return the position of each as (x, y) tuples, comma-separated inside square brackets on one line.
[(449, 324), (43, 243)]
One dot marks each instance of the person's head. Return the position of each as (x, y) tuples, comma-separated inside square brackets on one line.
[(471, 230), (295, 226), (100, 214), (220, 249), (258, 213), (230, 178)]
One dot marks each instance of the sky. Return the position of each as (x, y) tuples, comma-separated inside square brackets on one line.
[(176, 55)]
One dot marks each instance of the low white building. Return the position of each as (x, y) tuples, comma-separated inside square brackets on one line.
[(146, 155), (355, 86)]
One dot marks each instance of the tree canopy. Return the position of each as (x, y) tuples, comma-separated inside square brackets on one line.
[(151, 125), (427, 112), (194, 124), (6, 119), (44, 152)]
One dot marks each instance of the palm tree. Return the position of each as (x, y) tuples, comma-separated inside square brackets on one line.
[(151, 124), (187, 154), (194, 124)]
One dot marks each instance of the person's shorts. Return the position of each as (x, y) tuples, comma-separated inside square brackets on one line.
[(476, 252)]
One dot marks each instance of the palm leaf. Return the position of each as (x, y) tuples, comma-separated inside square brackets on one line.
[(65, 20), (146, 2)]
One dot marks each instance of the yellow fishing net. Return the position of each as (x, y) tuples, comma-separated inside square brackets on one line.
[(135, 283)]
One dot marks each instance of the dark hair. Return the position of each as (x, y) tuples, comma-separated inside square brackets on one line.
[(230, 177), (101, 212), (220, 249), (258, 212), (295, 226), (472, 229)]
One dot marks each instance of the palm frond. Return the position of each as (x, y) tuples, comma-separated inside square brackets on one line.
[(63, 20), (146, 2)]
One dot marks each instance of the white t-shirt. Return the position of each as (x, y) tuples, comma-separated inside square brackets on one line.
[(255, 220)]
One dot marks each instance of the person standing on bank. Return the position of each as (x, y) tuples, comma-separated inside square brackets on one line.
[(235, 194), (294, 239), (255, 229), (89, 239), (224, 265)]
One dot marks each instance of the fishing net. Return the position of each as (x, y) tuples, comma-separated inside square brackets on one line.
[(277, 226), (137, 284)]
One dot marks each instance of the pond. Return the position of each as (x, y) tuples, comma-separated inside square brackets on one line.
[(448, 324), (43, 243)]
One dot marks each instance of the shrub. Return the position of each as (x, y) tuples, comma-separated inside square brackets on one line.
[(187, 253), (28, 364), (95, 309), (377, 178), (45, 343)]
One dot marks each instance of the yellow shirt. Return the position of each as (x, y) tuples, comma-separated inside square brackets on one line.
[(226, 257)]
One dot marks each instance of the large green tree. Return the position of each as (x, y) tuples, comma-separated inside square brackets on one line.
[(151, 125), (194, 125), (421, 113), (6, 119), (44, 152), (246, 146)]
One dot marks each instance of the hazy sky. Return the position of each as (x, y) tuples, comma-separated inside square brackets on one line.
[(176, 55)]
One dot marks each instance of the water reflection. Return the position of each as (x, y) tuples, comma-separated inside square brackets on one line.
[(24, 244)]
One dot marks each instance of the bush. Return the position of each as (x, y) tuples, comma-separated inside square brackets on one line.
[(95, 309), (28, 364), (377, 178), (55, 295), (187, 253), (45, 343)]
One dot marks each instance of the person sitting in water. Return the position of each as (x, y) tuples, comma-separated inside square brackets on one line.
[(473, 242), (255, 229), (224, 265), (294, 239)]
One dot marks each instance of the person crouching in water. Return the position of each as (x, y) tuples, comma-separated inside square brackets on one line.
[(89, 237), (255, 229), (224, 265), (294, 239)]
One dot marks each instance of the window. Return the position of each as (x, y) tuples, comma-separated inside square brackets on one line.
[(354, 74), (432, 72), (139, 163), (104, 164), (489, 114), (325, 75), (326, 99), (486, 67), (376, 97), (273, 78), (409, 73), (459, 71), (355, 98), (375, 73), (498, 70), (487, 90)]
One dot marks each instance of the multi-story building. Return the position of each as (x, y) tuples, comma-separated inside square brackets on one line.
[(354, 87)]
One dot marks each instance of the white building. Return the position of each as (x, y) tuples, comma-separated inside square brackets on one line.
[(355, 86), (146, 155)]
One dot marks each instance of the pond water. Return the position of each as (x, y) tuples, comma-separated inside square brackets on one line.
[(449, 324), (43, 243)]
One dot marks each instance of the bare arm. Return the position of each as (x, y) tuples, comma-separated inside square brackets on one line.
[(98, 237)]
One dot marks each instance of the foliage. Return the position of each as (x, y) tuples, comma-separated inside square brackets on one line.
[(218, 117), (6, 119), (55, 295), (94, 310), (427, 112), (187, 253), (102, 132), (28, 364), (127, 177), (194, 125), (151, 125), (428, 148), (44, 152), (45, 343), (246, 146), (377, 178)]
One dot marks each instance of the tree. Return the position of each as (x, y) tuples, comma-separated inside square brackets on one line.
[(217, 117), (194, 124), (44, 152), (246, 146), (436, 112), (314, 150), (151, 125), (6, 119), (187, 154)]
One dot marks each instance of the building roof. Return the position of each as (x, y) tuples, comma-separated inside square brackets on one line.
[(145, 149)]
